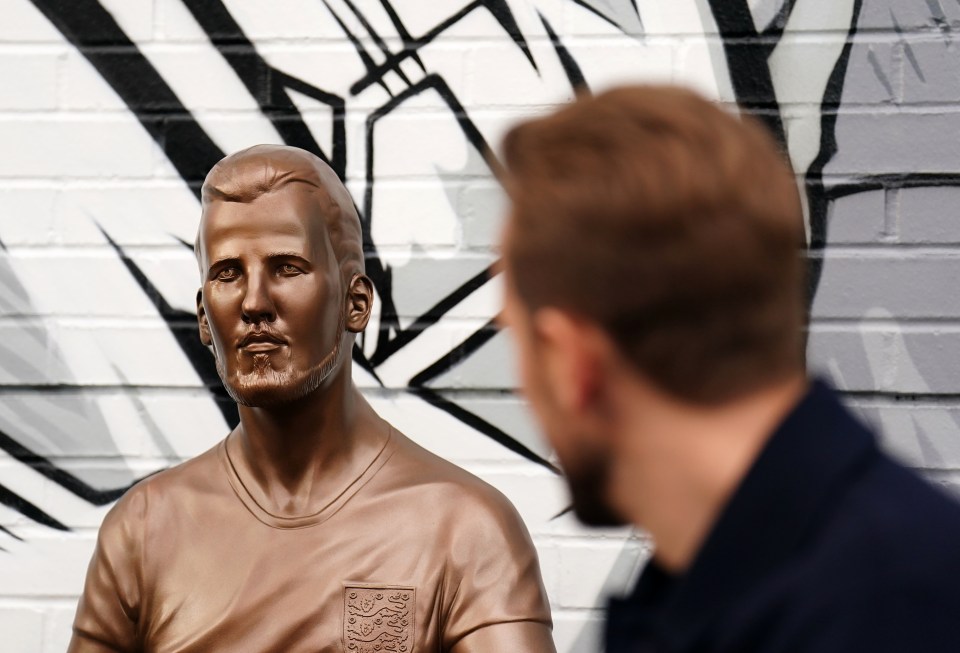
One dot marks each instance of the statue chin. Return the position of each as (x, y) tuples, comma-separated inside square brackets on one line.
[(269, 388)]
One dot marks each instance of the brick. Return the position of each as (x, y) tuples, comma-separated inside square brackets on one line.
[(857, 218), (624, 61), (929, 215), (908, 285), (81, 87), (47, 566), (923, 435), (877, 143), (526, 85), (419, 213), (23, 22), (287, 20), (29, 80), (421, 281), (204, 80), (482, 206), (890, 15), (874, 73), (58, 627), (591, 572), (929, 70), (887, 357), (63, 284), (22, 629), (69, 146)]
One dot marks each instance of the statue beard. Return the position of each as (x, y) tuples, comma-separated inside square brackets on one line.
[(588, 481), (266, 387)]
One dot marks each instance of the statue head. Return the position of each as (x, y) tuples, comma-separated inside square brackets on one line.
[(283, 290)]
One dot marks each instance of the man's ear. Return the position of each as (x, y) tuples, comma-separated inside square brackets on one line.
[(359, 303), (573, 357), (202, 321)]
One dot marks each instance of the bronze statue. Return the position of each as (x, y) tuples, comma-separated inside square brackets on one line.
[(315, 525)]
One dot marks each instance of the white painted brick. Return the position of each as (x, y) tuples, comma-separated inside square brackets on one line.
[(47, 566), (58, 627), (59, 283), (28, 80), (22, 629), (437, 215), (287, 19), (578, 632), (67, 146), (82, 88), (174, 23), (23, 22)]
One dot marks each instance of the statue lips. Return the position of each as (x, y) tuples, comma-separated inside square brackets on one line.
[(260, 342)]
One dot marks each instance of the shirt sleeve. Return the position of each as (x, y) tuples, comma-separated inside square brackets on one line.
[(494, 584), (107, 616)]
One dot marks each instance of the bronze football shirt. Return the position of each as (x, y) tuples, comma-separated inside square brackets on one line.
[(416, 555)]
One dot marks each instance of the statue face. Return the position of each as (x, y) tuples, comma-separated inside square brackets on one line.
[(272, 302)]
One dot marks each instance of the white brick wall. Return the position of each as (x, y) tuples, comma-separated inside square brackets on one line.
[(92, 377)]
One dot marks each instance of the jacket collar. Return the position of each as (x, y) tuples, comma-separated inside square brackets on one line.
[(787, 491)]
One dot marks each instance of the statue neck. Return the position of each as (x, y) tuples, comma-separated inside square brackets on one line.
[(295, 457)]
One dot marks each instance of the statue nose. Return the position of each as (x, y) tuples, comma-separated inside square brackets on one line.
[(257, 304)]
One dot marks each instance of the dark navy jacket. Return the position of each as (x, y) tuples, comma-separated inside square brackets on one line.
[(827, 546)]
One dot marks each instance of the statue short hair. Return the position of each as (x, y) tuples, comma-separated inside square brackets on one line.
[(246, 175)]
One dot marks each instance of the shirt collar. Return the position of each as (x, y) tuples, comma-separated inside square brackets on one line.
[(814, 452)]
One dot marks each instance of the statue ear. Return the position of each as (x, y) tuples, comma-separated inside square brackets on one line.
[(359, 302), (202, 321)]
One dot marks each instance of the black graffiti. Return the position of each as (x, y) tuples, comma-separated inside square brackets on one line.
[(93, 31)]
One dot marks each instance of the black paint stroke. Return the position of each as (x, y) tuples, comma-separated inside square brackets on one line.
[(97, 36), (268, 86), (402, 31), (818, 200), (64, 479), (381, 275), (747, 62), (188, 339), (417, 386), (499, 9), (365, 57), (4, 529), (570, 66), (28, 510), (775, 28), (377, 39), (430, 317), (891, 180)]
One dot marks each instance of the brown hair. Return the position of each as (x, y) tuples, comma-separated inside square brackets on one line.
[(246, 175), (673, 225)]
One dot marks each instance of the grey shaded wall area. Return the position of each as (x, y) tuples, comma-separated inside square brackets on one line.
[(885, 316)]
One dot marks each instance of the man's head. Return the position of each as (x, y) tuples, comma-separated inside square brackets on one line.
[(654, 235), (282, 270)]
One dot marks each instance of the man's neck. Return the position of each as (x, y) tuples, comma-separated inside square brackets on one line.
[(680, 464), (298, 456)]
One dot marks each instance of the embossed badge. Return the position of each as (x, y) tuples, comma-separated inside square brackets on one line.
[(378, 618)]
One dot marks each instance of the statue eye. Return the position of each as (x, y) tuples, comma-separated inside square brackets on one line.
[(288, 270), (228, 274)]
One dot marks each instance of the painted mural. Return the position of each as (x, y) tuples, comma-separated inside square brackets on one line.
[(104, 380)]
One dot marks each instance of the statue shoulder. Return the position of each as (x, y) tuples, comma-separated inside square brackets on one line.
[(449, 488), (162, 487)]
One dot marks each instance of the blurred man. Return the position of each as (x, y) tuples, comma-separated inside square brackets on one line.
[(655, 288), (314, 525)]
